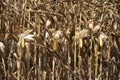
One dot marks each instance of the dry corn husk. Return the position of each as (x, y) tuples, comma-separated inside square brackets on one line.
[(102, 38), (96, 28), (55, 44), (2, 47), (80, 43), (26, 36), (48, 23), (90, 24)]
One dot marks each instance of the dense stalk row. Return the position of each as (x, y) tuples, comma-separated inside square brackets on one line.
[(59, 40)]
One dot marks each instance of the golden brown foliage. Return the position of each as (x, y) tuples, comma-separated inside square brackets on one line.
[(59, 39)]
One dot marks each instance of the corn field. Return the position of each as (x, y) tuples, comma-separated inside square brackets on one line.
[(59, 39)]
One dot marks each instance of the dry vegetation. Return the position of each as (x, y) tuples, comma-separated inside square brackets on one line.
[(59, 40)]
